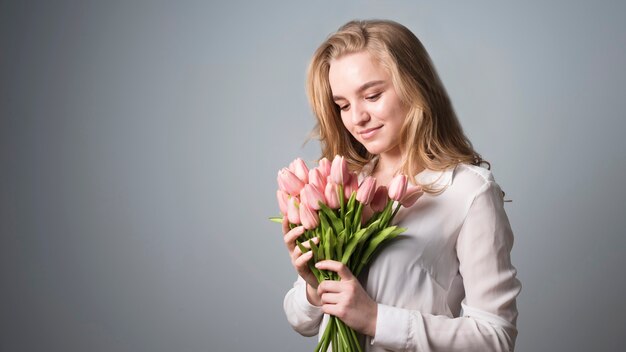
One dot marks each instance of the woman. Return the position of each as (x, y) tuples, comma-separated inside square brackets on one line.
[(447, 283)]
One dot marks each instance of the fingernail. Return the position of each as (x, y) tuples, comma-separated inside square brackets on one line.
[(317, 265)]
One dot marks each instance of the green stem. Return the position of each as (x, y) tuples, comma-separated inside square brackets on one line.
[(322, 346), (395, 212), (333, 321), (356, 224), (341, 201)]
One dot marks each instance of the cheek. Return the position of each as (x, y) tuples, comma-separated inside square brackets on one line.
[(386, 111), (347, 124)]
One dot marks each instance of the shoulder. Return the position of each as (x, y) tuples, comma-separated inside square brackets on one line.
[(476, 185), (471, 180), (472, 173)]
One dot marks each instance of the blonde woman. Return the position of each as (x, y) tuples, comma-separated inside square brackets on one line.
[(447, 283)]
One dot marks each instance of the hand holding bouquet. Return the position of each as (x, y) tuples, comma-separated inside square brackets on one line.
[(349, 221)]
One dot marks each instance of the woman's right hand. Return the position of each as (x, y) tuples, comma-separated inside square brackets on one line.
[(300, 261)]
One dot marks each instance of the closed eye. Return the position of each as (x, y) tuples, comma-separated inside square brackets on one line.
[(373, 97)]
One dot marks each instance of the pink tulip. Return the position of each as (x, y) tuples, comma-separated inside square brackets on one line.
[(380, 199), (289, 182), (324, 167), (365, 194), (293, 213), (283, 198), (311, 197), (366, 215), (316, 179), (309, 217), (397, 187), (339, 171), (413, 193), (330, 193), (299, 168), (352, 185)]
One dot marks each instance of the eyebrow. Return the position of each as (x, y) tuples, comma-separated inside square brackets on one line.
[(361, 88)]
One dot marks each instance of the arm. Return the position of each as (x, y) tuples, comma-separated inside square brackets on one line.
[(489, 310), (303, 316)]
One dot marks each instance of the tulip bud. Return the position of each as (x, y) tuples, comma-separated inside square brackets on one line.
[(380, 199), (310, 218), (365, 194), (311, 197), (397, 187), (283, 198), (316, 179), (293, 213), (413, 193), (339, 171), (299, 168), (366, 215), (324, 167), (351, 185), (289, 182), (330, 193)]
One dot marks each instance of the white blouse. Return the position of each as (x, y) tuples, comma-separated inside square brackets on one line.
[(447, 283)]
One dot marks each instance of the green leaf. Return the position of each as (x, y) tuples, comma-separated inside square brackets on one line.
[(380, 238), (277, 219), (386, 216), (351, 201), (361, 237), (315, 250), (356, 222), (327, 245), (352, 245), (303, 249), (341, 242), (336, 222), (348, 220), (323, 220)]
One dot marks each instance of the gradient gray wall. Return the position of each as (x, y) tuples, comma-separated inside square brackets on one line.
[(139, 144)]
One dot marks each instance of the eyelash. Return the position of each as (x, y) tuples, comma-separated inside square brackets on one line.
[(373, 97)]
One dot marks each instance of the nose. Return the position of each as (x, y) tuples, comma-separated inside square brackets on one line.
[(360, 115)]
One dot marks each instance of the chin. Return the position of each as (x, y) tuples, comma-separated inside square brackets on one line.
[(373, 149)]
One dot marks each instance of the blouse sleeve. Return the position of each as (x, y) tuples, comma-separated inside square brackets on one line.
[(489, 312), (303, 317)]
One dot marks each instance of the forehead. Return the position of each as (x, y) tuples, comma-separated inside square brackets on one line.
[(349, 72)]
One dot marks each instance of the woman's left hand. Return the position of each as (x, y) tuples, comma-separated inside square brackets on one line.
[(346, 299)]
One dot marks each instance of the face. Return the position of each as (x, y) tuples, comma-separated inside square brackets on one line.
[(370, 107)]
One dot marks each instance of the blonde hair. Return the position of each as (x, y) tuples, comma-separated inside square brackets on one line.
[(431, 136)]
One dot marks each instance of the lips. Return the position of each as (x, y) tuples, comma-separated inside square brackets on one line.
[(370, 132)]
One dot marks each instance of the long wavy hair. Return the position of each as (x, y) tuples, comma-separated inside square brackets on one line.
[(431, 136)]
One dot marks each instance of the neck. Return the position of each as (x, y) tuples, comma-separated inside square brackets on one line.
[(389, 165)]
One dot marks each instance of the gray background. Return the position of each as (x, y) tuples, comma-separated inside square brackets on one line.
[(139, 144)]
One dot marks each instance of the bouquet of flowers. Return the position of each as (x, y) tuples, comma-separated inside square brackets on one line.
[(351, 221)]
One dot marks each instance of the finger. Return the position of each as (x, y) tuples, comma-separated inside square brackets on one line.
[(329, 286), (333, 309), (291, 236), (302, 260), (330, 298), (285, 225), (297, 251), (338, 267)]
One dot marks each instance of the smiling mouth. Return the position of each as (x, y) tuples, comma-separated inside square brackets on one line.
[(368, 133)]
